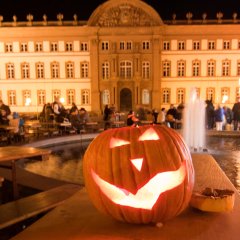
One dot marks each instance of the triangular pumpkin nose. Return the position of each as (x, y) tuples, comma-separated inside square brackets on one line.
[(137, 163)]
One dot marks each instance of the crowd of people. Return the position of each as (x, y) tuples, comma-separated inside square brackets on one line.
[(58, 113), (219, 117)]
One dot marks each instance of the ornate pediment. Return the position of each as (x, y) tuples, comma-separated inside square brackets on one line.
[(125, 13)]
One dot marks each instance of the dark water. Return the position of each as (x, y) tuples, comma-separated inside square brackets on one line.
[(65, 162), (226, 151)]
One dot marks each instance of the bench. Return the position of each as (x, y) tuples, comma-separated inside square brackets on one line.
[(25, 208)]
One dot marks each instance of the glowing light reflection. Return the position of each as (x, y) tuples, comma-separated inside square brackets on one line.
[(117, 142)]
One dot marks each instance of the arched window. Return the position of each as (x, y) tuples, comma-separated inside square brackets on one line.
[(25, 70), (26, 97), (180, 95), (70, 96), (41, 96), (226, 68), (166, 71), (85, 97), (69, 70), (10, 71), (12, 97), (166, 96), (39, 70), (55, 70), (211, 68), (196, 68), (210, 94)]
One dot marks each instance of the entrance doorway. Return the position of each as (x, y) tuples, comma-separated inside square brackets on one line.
[(125, 100)]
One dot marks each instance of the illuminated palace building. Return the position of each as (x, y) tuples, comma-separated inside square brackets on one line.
[(125, 55)]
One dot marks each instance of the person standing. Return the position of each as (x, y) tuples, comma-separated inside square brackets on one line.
[(106, 117), (236, 114), (219, 116)]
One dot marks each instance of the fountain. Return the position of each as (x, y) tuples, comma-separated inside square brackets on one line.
[(194, 122)]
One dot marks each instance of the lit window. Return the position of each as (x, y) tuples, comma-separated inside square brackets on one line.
[(56, 94), (166, 68), (26, 96), (85, 97), (181, 68), (10, 71), (84, 70), (225, 95), (166, 96), (196, 68), (210, 94), (180, 95), (12, 98), (39, 70), (69, 70), (226, 68), (25, 70), (70, 96), (55, 70), (41, 97), (211, 68)]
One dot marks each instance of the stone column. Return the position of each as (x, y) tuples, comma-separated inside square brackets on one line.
[(156, 74), (94, 61)]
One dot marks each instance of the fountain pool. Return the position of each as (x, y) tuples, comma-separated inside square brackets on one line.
[(65, 163)]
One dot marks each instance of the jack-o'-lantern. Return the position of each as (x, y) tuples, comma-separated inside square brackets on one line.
[(139, 174)]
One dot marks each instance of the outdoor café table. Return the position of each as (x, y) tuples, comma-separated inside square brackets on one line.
[(14, 153)]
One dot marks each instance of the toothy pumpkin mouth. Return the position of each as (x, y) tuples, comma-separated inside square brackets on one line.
[(148, 194)]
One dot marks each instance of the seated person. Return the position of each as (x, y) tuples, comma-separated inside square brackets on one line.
[(132, 120)]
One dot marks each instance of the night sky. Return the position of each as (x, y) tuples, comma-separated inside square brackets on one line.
[(84, 8)]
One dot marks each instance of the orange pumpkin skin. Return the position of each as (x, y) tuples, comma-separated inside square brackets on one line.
[(114, 166)]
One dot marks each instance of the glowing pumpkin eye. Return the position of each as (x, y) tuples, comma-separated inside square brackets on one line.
[(149, 134), (117, 142)]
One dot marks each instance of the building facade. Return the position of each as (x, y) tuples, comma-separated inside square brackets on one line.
[(124, 55)]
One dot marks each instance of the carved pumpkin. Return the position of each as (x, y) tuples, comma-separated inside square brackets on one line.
[(139, 175)]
